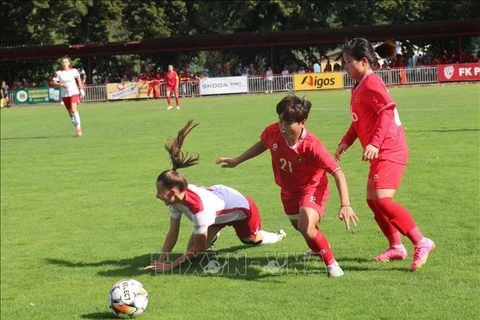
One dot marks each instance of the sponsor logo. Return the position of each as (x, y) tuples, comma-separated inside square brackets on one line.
[(313, 199), (124, 92), (275, 146), (448, 72), (215, 85), (22, 96), (375, 177), (354, 117), (317, 82)]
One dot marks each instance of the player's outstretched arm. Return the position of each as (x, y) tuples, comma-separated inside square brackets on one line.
[(255, 150), (171, 240), (345, 213)]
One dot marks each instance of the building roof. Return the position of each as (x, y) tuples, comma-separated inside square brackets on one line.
[(246, 40)]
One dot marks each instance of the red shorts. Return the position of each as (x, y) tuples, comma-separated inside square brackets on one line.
[(172, 89), (67, 101), (315, 199), (386, 174), (249, 226)]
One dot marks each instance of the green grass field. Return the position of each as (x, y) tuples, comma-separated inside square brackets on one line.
[(78, 214)]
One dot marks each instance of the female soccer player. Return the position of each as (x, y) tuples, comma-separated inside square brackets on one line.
[(300, 162), (376, 123), (69, 80), (171, 77), (210, 209)]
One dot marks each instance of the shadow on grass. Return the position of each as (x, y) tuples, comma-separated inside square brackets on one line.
[(99, 315), (370, 265), (446, 130), (31, 138), (224, 263)]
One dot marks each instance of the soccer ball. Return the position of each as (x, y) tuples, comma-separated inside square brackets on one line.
[(128, 298)]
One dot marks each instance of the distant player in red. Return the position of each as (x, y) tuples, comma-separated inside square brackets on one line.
[(376, 123), (71, 87), (300, 163), (171, 77), (210, 209)]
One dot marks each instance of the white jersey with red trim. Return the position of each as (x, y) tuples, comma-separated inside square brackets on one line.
[(68, 77), (210, 206)]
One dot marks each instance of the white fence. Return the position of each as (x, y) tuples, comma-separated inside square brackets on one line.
[(397, 77), (281, 83)]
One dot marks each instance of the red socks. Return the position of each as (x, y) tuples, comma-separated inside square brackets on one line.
[(320, 245), (388, 229), (400, 218)]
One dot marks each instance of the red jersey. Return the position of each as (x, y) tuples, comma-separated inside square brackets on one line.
[(300, 167), (171, 78), (369, 98)]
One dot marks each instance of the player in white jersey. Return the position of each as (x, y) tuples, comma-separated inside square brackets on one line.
[(71, 87), (210, 209)]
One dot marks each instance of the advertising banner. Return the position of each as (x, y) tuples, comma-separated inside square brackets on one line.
[(37, 95), (224, 85), (127, 90), (318, 81), (459, 72)]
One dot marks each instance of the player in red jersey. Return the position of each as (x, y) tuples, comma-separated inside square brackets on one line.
[(71, 87), (171, 77), (210, 209), (300, 162), (376, 123)]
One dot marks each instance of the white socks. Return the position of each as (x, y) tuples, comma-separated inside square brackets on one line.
[(76, 120), (271, 237)]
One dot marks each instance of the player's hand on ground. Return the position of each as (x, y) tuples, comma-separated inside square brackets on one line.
[(370, 153), (158, 266), (227, 162), (347, 215), (342, 148)]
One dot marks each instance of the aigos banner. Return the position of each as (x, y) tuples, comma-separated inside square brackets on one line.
[(459, 72), (318, 81), (127, 90)]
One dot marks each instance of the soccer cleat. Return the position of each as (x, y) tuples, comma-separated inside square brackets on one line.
[(169, 108), (334, 270), (281, 234), (212, 242), (420, 254), (178, 107), (392, 254), (78, 132)]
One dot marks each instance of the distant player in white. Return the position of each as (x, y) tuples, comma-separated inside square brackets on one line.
[(210, 209), (69, 81)]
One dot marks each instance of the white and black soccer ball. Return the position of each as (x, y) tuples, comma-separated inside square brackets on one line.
[(128, 298)]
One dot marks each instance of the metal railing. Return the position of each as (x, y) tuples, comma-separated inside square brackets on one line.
[(95, 93), (275, 84), (279, 83), (397, 77)]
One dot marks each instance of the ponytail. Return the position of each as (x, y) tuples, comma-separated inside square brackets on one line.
[(179, 159), (388, 49), (359, 48), (173, 146)]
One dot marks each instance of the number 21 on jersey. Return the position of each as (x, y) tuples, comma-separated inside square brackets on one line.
[(286, 165)]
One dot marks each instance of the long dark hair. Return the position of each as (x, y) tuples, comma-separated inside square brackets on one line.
[(179, 159), (359, 48)]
